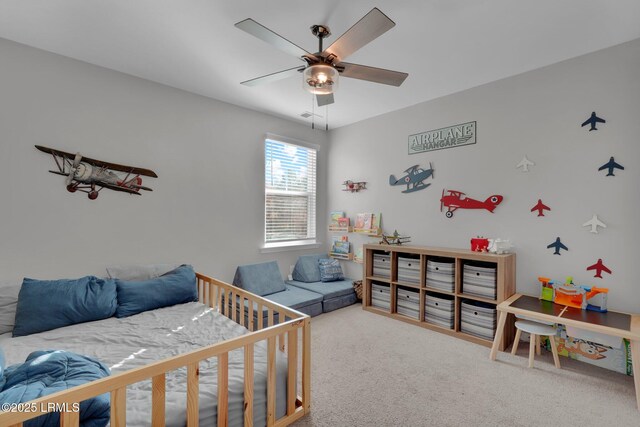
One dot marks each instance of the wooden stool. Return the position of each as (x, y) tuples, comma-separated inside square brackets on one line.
[(536, 329)]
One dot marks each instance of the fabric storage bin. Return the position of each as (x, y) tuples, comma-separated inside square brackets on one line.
[(382, 265), (478, 318), (479, 280), (381, 296), (408, 303), (440, 275), (409, 270), (439, 310)]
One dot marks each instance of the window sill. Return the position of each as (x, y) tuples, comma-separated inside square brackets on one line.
[(289, 246)]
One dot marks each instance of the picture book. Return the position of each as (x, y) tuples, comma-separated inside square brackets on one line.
[(335, 217), (343, 222), (359, 255), (375, 222), (340, 247), (363, 221)]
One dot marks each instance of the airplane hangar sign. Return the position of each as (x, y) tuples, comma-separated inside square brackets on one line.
[(439, 139)]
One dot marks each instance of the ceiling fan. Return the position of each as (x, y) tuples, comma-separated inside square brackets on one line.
[(323, 68)]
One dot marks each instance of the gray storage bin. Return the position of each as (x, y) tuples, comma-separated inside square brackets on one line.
[(382, 265), (381, 296), (479, 280), (439, 310), (409, 270), (478, 318), (440, 275), (408, 303)]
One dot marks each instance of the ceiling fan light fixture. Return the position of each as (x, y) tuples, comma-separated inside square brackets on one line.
[(320, 79)]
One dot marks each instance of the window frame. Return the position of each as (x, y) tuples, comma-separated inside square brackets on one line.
[(289, 244)]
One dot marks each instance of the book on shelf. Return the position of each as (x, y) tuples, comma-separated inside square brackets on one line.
[(363, 221), (375, 223), (340, 247), (358, 255), (335, 217), (343, 222)]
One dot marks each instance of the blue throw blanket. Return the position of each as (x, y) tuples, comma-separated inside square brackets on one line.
[(47, 372)]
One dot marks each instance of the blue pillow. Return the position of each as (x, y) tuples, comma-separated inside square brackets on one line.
[(260, 279), (175, 287), (50, 304), (306, 269), (330, 270)]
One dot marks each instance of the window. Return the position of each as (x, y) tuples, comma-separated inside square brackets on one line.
[(290, 193)]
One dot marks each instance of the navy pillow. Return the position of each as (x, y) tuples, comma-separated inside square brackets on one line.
[(330, 270), (50, 304), (175, 287)]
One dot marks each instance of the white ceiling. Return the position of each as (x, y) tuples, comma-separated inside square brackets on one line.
[(445, 45)]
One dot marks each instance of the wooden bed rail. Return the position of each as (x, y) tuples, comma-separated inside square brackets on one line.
[(222, 297)]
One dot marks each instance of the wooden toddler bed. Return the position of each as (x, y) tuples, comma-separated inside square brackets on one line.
[(247, 347)]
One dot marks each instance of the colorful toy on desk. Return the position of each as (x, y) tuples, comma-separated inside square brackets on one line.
[(569, 294), (546, 292), (578, 296), (597, 299)]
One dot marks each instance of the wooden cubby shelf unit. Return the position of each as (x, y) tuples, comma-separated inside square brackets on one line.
[(417, 257)]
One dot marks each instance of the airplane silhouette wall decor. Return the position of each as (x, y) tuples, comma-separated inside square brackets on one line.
[(524, 164), (610, 166), (557, 245), (540, 207), (594, 223), (592, 120), (599, 267)]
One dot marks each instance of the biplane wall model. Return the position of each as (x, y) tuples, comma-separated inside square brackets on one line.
[(90, 176), (455, 200)]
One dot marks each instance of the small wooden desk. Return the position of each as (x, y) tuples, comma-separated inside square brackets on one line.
[(610, 323)]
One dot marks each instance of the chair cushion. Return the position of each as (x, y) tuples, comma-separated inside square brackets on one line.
[(328, 290), (261, 279), (8, 303), (175, 287), (293, 297), (44, 305), (307, 269)]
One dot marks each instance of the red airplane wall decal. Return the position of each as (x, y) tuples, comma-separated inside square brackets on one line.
[(540, 207), (599, 267)]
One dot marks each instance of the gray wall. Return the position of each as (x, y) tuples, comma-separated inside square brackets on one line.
[(538, 114), (207, 205)]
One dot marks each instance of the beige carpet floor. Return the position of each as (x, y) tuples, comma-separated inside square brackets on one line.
[(369, 370)]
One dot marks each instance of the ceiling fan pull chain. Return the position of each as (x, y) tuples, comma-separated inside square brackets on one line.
[(313, 112), (326, 118)]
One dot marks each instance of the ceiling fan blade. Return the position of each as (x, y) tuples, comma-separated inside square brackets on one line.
[(367, 29), (371, 74), (324, 99), (279, 75), (263, 33)]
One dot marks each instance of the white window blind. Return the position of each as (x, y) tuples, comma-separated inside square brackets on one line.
[(290, 192)]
